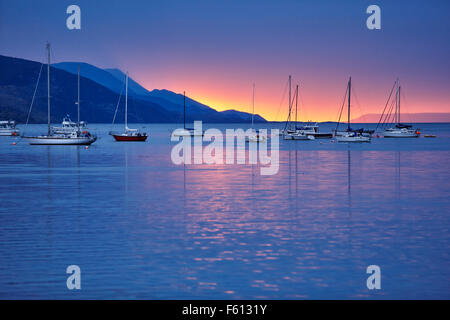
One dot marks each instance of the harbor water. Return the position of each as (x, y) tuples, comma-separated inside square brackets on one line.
[(141, 227)]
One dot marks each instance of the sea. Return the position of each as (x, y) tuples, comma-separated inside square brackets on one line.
[(139, 226)]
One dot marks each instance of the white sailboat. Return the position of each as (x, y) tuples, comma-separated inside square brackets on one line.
[(255, 136), (187, 131), (349, 131), (75, 137), (349, 135), (292, 133), (400, 130)]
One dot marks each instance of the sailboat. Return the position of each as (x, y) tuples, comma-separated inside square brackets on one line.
[(255, 136), (289, 133), (400, 130), (361, 131), (187, 131), (351, 135), (129, 134), (75, 137)]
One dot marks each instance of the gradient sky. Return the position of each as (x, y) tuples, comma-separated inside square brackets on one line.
[(216, 49)]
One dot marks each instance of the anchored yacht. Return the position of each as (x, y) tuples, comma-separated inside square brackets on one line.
[(75, 137), (255, 136), (129, 134), (290, 133), (351, 135), (400, 130), (312, 129)]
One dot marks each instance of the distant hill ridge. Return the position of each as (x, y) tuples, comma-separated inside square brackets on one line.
[(423, 117)]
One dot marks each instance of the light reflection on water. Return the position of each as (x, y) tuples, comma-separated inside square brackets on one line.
[(140, 227)]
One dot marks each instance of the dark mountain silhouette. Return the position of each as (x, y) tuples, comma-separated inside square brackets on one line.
[(99, 97), (113, 79), (18, 80)]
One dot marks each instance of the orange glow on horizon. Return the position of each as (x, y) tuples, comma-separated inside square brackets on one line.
[(318, 100)]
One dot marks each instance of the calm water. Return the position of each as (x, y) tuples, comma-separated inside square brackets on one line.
[(141, 227)]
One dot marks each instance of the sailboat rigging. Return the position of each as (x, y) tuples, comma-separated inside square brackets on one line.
[(73, 137), (293, 133), (187, 131), (400, 130), (255, 136), (351, 135), (129, 134)]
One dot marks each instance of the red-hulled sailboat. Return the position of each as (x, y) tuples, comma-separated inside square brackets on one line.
[(129, 134)]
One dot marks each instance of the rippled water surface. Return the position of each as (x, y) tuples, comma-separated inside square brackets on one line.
[(141, 227)]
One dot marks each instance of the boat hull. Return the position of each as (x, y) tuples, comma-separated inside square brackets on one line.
[(123, 138), (59, 130), (316, 134), (9, 132), (352, 139), (400, 134), (319, 135), (344, 133), (44, 140), (298, 137)]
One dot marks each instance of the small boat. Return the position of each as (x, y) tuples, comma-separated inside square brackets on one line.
[(400, 130), (255, 136), (8, 128), (67, 126), (290, 133), (187, 131), (75, 137), (312, 129), (129, 134), (429, 136), (362, 131), (350, 135), (298, 136)]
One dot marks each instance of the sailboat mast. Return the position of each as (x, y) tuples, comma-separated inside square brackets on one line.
[(253, 103), (399, 95), (296, 103), (290, 79), (126, 103), (78, 102), (184, 112), (349, 95), (48, 87), (396, 101)]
